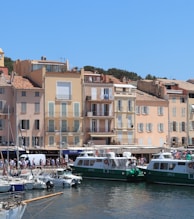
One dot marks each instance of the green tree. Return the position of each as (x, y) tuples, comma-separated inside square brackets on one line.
[(8, 62)]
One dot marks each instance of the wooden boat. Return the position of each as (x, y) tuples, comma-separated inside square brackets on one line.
[(107, 167), (164, 170)]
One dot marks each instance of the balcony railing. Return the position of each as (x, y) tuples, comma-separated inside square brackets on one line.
[(64, 97), (95, 113)]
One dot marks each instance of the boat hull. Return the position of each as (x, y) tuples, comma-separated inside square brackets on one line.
[(17, 187), (169, 178), (107, 174)]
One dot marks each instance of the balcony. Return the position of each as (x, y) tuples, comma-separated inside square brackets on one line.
[(99, 114), (63, 97), (100, 98)]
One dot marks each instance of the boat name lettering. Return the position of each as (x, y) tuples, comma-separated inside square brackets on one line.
[(170, 174)]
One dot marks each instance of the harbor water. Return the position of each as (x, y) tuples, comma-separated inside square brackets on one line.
[(112, 200)]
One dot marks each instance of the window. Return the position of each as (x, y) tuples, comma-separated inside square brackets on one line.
[(105, 109), (130, 137), (191, 95), (37, 108), (171, 166), (174, 126), (183, 140), (105, 93), (174, 111), (1, 124), (64, 140), (174, 99), (156, 166), (129, 105), (183, 112), (76, 125), (149, 127), (51, 109), (160, 127), (37, 141), (119, 105), (76, 140), (160, 110), (164, 166), (23, 107), (138, 110), (37, 94), (24, 141), (51, 141), (191, 125), (145, 110), (140, 127), (119, 121), (24, 124), (129, 121), (64, 126), (1, 105), (2, 90), (182, 100), (63, 90), (76, 110), (23, 93), (183, 127), (63, 109), (94, 125), (37, 124), (51, 127)]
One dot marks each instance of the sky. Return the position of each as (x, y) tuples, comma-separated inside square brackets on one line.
[(153, 37)]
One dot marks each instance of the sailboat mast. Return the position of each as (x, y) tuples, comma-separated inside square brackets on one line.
[(8, 137)]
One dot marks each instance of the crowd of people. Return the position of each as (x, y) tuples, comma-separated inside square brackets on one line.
[(26, 163)]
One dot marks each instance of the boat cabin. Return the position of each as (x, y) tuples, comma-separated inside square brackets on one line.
[(162, 155)]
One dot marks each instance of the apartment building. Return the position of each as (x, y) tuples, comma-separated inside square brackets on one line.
[(179, 96), (151, 120), (63, 116), (124, 113), (21, 112), (98, 100), (28, 113)]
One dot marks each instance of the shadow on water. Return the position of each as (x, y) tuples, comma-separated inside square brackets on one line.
[(101, 199)]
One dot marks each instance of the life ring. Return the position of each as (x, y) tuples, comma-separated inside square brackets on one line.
[(190, 165), (106, 162)]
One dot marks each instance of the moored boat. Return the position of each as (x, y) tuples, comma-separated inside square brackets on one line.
[(107, 167), (4, 186), (12, 208), (171, 171)]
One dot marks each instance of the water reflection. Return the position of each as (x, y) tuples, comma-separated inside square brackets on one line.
[(101, 199)]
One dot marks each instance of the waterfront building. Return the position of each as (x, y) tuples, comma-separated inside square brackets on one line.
[(21, 112), (151, 120), (28, 113), (63, 116), (124, 113), (98, 100), (179, 95)]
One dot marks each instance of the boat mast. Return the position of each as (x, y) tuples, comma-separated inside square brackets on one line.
[(8, 137)]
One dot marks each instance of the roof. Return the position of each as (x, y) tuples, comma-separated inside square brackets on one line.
[(140, 95), (182, 84), (20, 82)]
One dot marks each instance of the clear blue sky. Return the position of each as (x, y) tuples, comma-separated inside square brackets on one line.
[(143, 36)]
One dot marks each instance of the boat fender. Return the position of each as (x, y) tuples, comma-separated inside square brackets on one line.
[(106, 162), (49, 184)]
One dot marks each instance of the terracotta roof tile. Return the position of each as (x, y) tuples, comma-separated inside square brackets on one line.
[(20, 82)]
